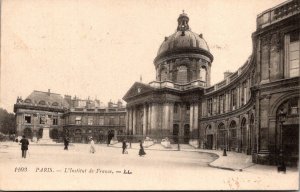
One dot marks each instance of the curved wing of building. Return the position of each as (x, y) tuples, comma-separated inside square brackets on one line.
[(254, 110)]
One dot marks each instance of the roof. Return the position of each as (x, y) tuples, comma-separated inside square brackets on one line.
[(46, 98)]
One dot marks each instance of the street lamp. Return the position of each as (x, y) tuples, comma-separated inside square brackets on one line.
[(281, 165), (224, 150)]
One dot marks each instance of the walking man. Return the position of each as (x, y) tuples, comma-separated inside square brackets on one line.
[(66, 143), (124, 146), (24, 146)]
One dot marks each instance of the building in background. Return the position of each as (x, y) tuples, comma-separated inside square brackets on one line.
[(86, 118), (77, 118), (254, 110)]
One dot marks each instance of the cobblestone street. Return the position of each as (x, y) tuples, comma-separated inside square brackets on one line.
[(51, 167)]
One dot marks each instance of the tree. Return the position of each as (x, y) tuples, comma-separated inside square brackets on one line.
[(7, 122)]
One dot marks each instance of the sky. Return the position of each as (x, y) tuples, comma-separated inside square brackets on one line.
[(99, 48)]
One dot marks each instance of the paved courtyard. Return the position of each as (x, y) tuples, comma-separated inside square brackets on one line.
[(52, 168)]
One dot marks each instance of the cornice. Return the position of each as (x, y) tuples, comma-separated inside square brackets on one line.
[(230, 114)]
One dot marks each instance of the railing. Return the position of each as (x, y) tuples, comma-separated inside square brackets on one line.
[(221, 84), (178, 86), (278, 13)]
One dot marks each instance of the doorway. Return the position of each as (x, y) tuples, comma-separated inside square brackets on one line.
[(186, 133), (175, 132), (209, 142), (290, 136)]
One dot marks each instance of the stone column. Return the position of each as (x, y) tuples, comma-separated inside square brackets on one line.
[(134, 120), (171, 118), (166, 118), (264, 125), (196, 109), (191, 117), (145, 119), (154, 119), (149, 119), (127, 120), (130, 120), (238, 95)]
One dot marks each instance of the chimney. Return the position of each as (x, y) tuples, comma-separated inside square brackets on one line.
[(110, 104), (119, 104), (227, 74)]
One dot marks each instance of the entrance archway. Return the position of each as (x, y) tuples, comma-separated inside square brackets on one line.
[(287, 130), (175, 132), (222, 136), (186, 133), (232, 136), (209, 138)]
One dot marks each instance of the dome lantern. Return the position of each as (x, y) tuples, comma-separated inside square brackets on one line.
[(183, 22)]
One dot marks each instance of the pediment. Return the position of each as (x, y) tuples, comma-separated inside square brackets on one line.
[(137, 89)]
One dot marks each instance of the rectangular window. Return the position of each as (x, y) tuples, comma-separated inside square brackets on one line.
[(187, 109), (90, 120), (221, 104), (42, 119), (233, 99), (78, 120), (111, 120), (55, 120), (27, 118), (209, 106), (101, 120), (292, 51), (122, 120), (175, 108), (244, 93)]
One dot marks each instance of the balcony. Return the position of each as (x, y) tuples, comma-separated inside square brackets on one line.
[(177, 86), (278, 13)]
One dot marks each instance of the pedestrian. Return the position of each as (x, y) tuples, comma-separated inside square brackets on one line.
[(124, 146), (92, 147), (24, 146), (141, 152), (66, 143)]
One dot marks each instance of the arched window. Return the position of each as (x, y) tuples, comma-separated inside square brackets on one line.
[(182, 74), (42, 102), (232, 136), (203, 73), (222, 135), (27, 101), (163, 75), (55, 104)]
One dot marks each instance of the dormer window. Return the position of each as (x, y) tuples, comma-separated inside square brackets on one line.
[(42, 102)]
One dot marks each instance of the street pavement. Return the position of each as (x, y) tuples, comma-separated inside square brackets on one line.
[(52, 168)]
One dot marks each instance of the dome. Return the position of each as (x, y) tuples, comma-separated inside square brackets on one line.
[(183, 41), (179, 41)]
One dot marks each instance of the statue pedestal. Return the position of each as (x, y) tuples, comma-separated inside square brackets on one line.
[(46, 137)]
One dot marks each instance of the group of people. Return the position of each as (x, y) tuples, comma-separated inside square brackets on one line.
[(141, 151), (24, 146)]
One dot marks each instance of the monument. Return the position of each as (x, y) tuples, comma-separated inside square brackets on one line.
[(46, 134)]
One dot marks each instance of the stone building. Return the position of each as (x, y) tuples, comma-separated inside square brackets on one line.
[(254, 110), (75, 117), (38, 110), (86, 118)]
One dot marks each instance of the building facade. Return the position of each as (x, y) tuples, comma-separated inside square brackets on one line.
[(73, 117), (254, 110)]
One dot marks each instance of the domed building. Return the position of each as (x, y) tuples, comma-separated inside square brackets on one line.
[(254, 110), (169, 106)]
